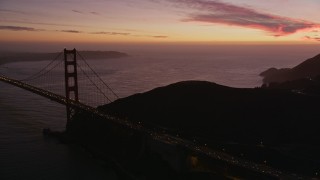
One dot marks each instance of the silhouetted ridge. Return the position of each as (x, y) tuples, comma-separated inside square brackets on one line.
[(279, 126), (307, 69), (211, 111)]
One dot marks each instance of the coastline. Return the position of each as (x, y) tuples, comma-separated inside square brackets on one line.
[(8, 57)]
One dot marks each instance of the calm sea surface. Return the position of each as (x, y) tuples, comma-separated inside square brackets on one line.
[(26, 154)]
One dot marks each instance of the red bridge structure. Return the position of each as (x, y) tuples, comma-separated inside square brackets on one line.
[(78, 74)]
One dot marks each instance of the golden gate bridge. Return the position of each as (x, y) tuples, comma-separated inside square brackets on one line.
[(60, 81)]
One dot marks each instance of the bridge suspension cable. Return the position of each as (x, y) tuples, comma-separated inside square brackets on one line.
[(94, 83), (106, 85), (42, 71), (50, 77), (97, 91), (93, 90)]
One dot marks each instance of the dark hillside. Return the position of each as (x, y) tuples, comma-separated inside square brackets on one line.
[(307, 69), (219, 113)]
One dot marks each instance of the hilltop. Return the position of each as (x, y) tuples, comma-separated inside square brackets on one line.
[(6, 57), (277, 125), (307, 69), (220, 113)]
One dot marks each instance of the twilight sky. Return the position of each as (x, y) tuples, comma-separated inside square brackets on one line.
[(138, 21)]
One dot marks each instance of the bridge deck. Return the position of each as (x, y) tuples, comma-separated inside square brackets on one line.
[(156, 135)]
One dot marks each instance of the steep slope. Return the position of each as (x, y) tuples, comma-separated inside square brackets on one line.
[(307, 69), (218, 113)]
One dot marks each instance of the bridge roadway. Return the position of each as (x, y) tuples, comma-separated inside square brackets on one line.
[(157, 135)]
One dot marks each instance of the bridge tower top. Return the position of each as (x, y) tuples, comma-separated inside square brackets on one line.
[(71, 82)]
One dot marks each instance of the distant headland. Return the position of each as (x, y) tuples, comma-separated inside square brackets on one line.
[(307, 69), (7, 57)]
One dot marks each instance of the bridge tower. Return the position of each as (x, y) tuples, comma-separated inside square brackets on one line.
[(71, 82)]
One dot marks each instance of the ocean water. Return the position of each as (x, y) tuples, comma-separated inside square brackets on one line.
[(26, 154)]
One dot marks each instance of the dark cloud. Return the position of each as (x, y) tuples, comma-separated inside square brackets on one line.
[(128, 34), (82, 12), (77, 11), (160, 37), (70, 31), (120, 33), (225, 13), (41, 23), (111, 33), (95, 13), (99, 32), (315, 38), (18, 28), (12, 11)]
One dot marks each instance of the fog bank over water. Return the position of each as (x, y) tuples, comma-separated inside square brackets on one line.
[(236, 65), (199, 48)]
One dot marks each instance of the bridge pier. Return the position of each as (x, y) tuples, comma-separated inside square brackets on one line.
[(71, 83)]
